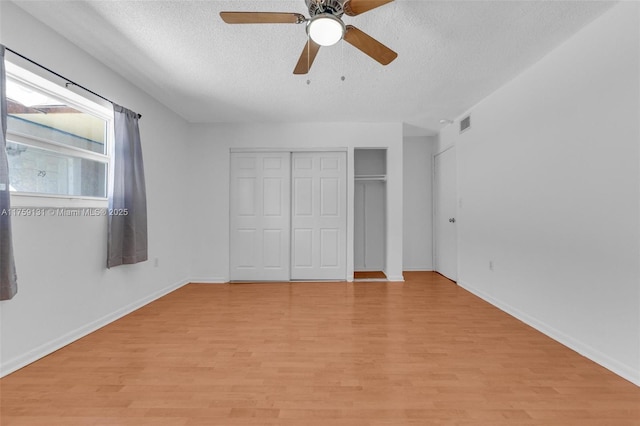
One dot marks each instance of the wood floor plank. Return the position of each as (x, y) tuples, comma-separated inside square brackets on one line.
[(364, 275), (368, 353)]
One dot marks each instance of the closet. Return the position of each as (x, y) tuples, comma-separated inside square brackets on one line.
[(288, 216), (370, 209)]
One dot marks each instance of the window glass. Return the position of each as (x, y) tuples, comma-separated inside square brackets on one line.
[(40, 171), (33, 113)]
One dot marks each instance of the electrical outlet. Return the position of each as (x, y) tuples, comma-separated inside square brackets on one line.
[(491, 265), (156, 262)]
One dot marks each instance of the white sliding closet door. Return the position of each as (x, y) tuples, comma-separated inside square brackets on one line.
[(260, 216), (318, 216)]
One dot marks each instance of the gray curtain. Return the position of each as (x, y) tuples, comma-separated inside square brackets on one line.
[(8, 278), (127, 235)]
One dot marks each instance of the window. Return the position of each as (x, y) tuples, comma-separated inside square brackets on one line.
[(57, 141)]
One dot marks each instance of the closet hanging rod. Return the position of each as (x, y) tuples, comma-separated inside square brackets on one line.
[(381, 178), (68, 81)]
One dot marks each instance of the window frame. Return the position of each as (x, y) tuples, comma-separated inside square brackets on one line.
[(47, 87)]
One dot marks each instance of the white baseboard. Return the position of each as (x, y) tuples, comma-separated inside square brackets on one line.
[(45, 349), (208, 280), (627, 372), (419, 269), (395, 278)]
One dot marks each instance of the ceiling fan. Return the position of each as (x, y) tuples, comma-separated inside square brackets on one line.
[(324, 28)]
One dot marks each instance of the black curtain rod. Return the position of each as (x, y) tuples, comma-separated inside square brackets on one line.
[(68, 82)]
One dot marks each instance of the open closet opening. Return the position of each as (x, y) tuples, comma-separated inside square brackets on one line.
[(370, 205)]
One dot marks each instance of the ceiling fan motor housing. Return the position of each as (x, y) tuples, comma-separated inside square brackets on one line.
[(332, 7)]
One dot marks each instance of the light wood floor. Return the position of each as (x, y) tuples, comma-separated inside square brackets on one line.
[(425, 352), (364, 275)]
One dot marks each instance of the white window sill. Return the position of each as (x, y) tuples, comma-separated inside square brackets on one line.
[(56, 201)]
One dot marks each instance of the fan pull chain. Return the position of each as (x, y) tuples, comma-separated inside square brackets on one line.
[(343, 78), (308, 57)]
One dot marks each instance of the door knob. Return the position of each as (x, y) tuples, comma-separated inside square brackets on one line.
[(452, 219)]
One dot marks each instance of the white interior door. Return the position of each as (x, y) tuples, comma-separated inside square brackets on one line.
[(260, 216), (445, 226), (318, 216), (369, 224)]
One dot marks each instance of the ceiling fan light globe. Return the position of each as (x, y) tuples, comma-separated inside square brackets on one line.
[(325, 29)]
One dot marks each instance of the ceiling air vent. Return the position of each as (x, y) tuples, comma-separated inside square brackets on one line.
[(465, 123)]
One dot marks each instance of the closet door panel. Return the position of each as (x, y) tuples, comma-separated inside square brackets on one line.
[(302, 196), (318, 219), (260, 216), (329, 193), (329, 246), (303, 253)]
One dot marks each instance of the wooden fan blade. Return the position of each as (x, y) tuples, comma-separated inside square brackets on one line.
[(357, 7), (369, 45), (262, 18), (307, 57)]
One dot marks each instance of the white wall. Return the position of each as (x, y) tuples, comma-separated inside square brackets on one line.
[(418, 210), (549, 181), (64, 289), (210, 145)]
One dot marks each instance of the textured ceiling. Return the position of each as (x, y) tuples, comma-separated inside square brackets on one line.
[(451, 55)]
